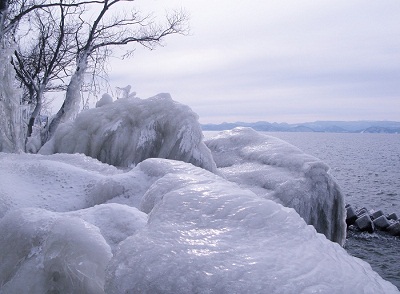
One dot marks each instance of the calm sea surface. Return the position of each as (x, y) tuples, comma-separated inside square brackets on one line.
[(367, 168)]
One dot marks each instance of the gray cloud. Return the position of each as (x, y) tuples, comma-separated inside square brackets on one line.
[(277, 60)]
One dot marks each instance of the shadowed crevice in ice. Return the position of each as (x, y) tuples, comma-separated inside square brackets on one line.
[(129, 130), (279, 171)]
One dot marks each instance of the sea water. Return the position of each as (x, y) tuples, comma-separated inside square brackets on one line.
[(367, 168)]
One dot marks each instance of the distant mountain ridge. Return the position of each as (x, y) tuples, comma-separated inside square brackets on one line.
[(388, 127)]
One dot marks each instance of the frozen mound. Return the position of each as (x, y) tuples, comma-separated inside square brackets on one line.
[(129, 130), (48, 252), (276, 170), (207, 235), (163, 227), (44, 252), (59, 182), (116, 222)]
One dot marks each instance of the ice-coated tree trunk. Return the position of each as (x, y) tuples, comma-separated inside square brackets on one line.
[(3, 12), (11, 135), (36, 111), (70, 107), (10, 116)]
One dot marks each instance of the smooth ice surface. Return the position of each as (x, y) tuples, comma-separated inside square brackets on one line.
[(129, 130), (115, 221), (59, 182), (164, 226), (45, 252), (207, 235), (279, 171)]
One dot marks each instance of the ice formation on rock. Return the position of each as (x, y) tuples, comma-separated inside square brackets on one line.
[(207, 235), (277, 170), (104, 100), (45, 252), (59, 182), (196, 233), (130, 130)]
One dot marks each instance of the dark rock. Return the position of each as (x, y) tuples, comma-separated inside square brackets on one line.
[(381, 222), (376, 214), (393, 216), (364, 223), (362, 211), (394, 229), (351, 216)]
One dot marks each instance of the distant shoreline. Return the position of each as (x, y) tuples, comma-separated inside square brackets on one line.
[(383, 127)]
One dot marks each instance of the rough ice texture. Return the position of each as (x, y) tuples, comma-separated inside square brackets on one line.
[(127, 131), (196, 233), (279, 171)]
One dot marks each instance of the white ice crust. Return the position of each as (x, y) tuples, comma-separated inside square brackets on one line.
[(45, 252), (276, 170), (163, 227), (129, 130)]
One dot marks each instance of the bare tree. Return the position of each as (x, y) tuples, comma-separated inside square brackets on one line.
[(104, 33), (44, 65), (10, 122), (12, 12)]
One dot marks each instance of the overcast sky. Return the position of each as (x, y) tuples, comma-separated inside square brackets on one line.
[(277, 61)]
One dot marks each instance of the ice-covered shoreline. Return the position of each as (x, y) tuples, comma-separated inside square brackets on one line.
[(71, 223), (202, 233)]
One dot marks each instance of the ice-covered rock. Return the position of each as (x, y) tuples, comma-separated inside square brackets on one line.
[(279, 171), (116, 222), (207, 235), (104, 100), (45, 252), (59, 182), (202, 234), (128, 131)]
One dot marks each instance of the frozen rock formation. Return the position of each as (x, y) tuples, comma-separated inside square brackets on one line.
[(59, 182), (44, 252), (276, 170), (104, 100), (207, 235), (128, 131), (196, 233)]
